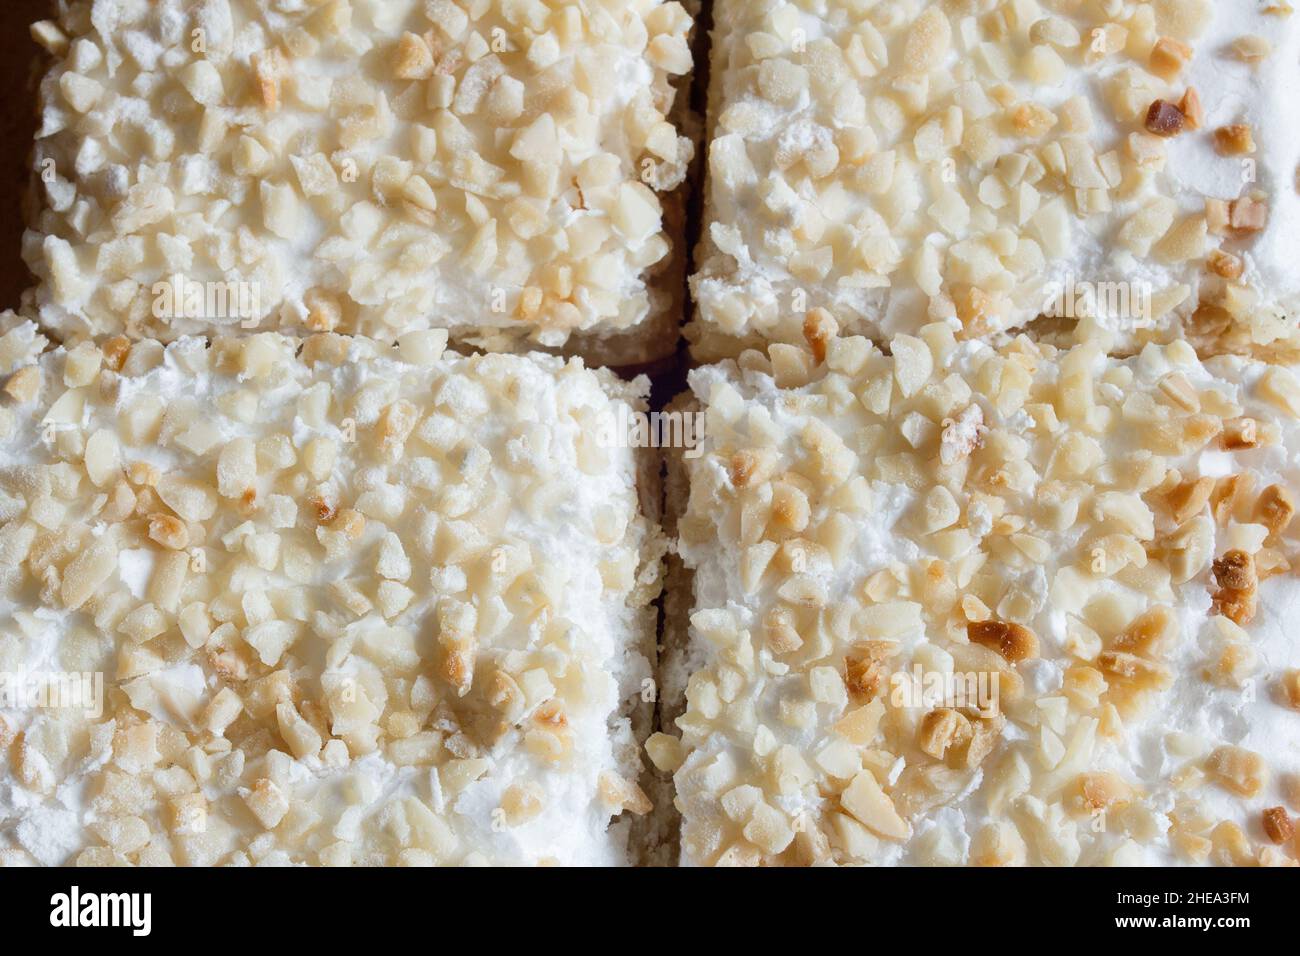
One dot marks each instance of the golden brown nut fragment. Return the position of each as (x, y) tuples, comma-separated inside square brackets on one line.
[(1275, 509), (1278, 825), (790, 508), (862, 677), (1291, 690), (864, 669), (1164, 119), (1235, 571), (1236, 139), (1146, 632), (24, 385), (115, 352), (1103, 790), (1247, 215), (939, 730), (1237, 606), (1188, 499), (169, 531), (1237, 578), (1240, 433), (1013, 641), (819, 329), (1241, 771), (1169, 57), (1136, 674), (1229, 493), (741, 468), (1193, 110), (1225, 265), (325, 510)]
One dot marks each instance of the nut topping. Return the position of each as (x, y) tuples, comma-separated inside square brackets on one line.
[(1013, 641), (1278, 825), (1164, 119)]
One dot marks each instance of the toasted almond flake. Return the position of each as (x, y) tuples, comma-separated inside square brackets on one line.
[(1164, 119), (1237, 769), (24, 385), (1101, 791), (1278, 825), (1251, 49), (1013, 641), (872, 806), (1236, 139), (1291, 689), (1192, 109), (1169, 57), (1225, 265), (927, 42)]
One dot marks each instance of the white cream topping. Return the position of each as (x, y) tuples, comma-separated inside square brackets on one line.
[(909, 163), (362, 166), (826, 500), (366, 605)]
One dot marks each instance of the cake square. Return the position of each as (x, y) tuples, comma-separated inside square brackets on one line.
[(365, 604), (1116, 169), (505, 171), (967, 606)]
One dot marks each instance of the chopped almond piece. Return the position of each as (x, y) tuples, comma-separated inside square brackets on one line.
[(742, 467), (1013, 641), (1248, 215), (115, 352), (1240, 433), (1236, 569), (1237, 139), (1225, 265), (1101, 791), (819, 329), (1237, 579), (1275, 508), (864, 671), (1218, 215), (1169, 57), (1278, 825), (1241, 771), (1193, 110), (24, 385), (1291, 688), (1251, 48), (1189, 499), (1164, 119)]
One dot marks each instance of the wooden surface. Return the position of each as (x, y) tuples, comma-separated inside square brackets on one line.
[(17, 126)]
